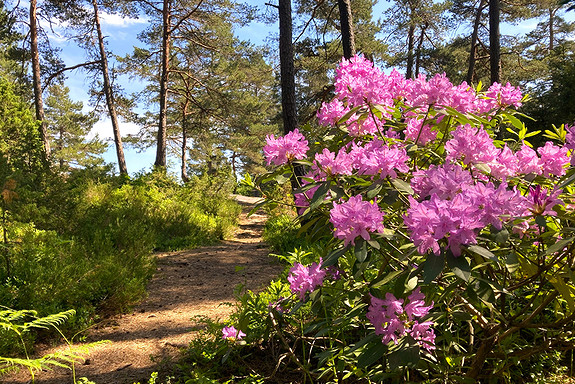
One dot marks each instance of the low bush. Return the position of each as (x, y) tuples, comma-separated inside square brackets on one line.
[(87, 243)]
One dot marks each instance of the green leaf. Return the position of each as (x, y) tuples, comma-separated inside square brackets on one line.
[(432, 267), (512, 262), (360, 250), (384, 279), (567, 181), (459, 266), (502, 236), (515, 122), (333, 256), (565, 291), (402, 186), (282, 179), (478, 250), (403, 357), (319, 196), (540, 221), (373, 190), (371, 354), (558, 246)]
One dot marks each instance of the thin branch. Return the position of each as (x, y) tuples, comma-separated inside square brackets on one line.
[(59, 72)]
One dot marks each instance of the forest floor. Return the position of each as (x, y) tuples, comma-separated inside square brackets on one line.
[(188, 285)]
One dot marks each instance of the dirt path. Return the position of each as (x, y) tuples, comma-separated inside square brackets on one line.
[(191, 283)]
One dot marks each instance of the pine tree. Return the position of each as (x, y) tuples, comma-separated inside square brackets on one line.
[(68, 128)]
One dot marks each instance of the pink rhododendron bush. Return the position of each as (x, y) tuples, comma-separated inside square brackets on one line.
[(441, 240)]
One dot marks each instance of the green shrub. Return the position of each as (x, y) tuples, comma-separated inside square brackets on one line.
[(85, 241)]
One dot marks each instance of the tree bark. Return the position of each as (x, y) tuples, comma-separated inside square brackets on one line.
[(551, 28), (109, 93), (494, 41), (474, 35), (164, 76), (287, 74), (184, 171), (287, 69), (36, 79), (410, 38), (418, 49), (347, 34)]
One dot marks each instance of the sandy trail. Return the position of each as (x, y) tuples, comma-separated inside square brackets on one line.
[(198, 282)]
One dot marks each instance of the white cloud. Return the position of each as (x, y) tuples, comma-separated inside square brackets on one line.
[(103, 129), (114, 20)]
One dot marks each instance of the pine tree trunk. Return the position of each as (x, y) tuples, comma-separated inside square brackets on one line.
[(109, 94), (347, 35), (36, 80), (287, 74), (184, 171), (474, 35), (418, 49), (494, 41), (410, 38), (163, 121), (287, 69), (551, 29)]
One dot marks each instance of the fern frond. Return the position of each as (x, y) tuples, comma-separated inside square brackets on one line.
[(65, 359), (53, 320)]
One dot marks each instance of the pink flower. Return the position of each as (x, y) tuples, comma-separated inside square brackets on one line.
[(304, 279), (354, 218), (393, 319), (528, 162), (504, 96), (377, 159), (287, 148), (444, 181), (419, 133), (231, 333), (541, 202), (554, 159), (328, 164), (331, 112), (570, 136), (416, 306), (472, 145), (359, 82), (505, 165)]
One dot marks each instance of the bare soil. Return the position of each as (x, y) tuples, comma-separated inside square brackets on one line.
[(188, 284)]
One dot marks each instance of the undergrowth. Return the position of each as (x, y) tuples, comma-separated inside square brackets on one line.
[(86, 241)]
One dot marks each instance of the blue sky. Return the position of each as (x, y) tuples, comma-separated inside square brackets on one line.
[(121, 36)]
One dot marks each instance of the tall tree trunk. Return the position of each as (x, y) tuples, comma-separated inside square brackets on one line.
[(109, 93), (184, 171), (474, 35), (410, 38), (494, 42), (165, 71), (347, 35), (418, 49), (287, 68), (36, 79), (287, 74), (551, 28)]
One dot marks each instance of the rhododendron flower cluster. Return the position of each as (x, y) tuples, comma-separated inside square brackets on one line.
[(287, 148), (231, 333), (304, 279), (541, 202), (424, 155), (354, 218), (457, 208), (393, 319)]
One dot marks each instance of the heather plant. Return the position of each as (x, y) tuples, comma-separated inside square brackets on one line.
[(447, 239)]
